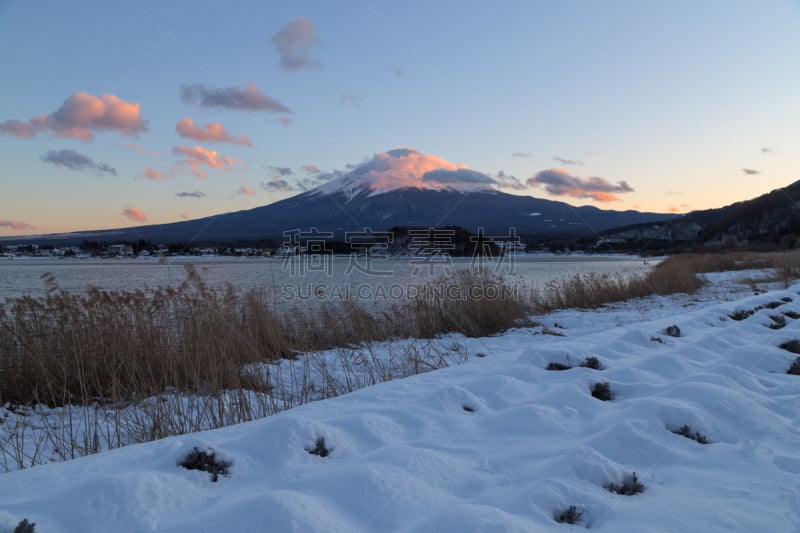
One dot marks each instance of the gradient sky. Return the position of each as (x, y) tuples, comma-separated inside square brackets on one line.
[(118, 114)]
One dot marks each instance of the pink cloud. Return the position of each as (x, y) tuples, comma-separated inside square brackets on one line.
[(153, 174), (81, 116), (17, 129), (183, 216), (285, 121), (139, 148), (312, 169), (247, 191), (403, 168), (214, 132), (15, 225), (199, 157), (559, 182), (134, 213)]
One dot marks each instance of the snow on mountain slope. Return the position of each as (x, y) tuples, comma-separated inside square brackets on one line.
[(497, 444), (404, 168)]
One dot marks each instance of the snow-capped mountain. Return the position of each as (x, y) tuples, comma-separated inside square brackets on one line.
[(401, 187)]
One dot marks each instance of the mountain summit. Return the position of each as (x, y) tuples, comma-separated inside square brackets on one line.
[(405, 168)]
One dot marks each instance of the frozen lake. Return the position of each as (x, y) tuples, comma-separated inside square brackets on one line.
[(300, 278)]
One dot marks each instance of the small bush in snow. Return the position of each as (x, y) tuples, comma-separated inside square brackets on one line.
[(773, 305), (468, 408), (673, 331), (602, 391), (206, 461), (593, 363), (320, 448), (792, 346), (787, 299), (570, 515), (25, 527), (590, 362), (628, 487), (741, 314), (657, 339), (687, 431), (778, 322), (795, 368), (794, 315)]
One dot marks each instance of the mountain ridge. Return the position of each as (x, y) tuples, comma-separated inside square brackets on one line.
[(338, 212)]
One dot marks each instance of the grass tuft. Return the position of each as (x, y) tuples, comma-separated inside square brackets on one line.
[(741, 314), (687, 431), (25, 527), (602, 391), (570, 515), (592, 362), (794, 369), (206, 461), (792, 346), (629, 486), (778, 321), (319, 448)]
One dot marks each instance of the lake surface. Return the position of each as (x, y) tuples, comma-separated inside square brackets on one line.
[(297, 279)]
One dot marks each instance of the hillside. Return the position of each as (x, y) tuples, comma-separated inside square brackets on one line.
[(770, 219)]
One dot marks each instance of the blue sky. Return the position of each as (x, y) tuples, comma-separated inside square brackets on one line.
[(690, 104)]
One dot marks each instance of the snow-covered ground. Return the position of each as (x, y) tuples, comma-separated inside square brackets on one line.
[(496, 444)]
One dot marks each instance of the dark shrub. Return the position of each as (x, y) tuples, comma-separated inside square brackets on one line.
[(320, 448), (787, 299), (686, 431), (794, 315), (602, 391), (773, 305), (795, 368), (792, 346), (206, 461), (570, 515), (557, 366), (593, 363), (25, 527), (673, 331), (468, 408), (741, 314), (628, 487), (778, 321)]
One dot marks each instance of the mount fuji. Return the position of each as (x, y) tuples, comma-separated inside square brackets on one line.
[(401, 187)]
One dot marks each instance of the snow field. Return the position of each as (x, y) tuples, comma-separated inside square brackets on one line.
[(497, 444)]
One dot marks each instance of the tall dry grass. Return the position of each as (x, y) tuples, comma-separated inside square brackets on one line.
[(115, 347), (591, 291), (675, 275)]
